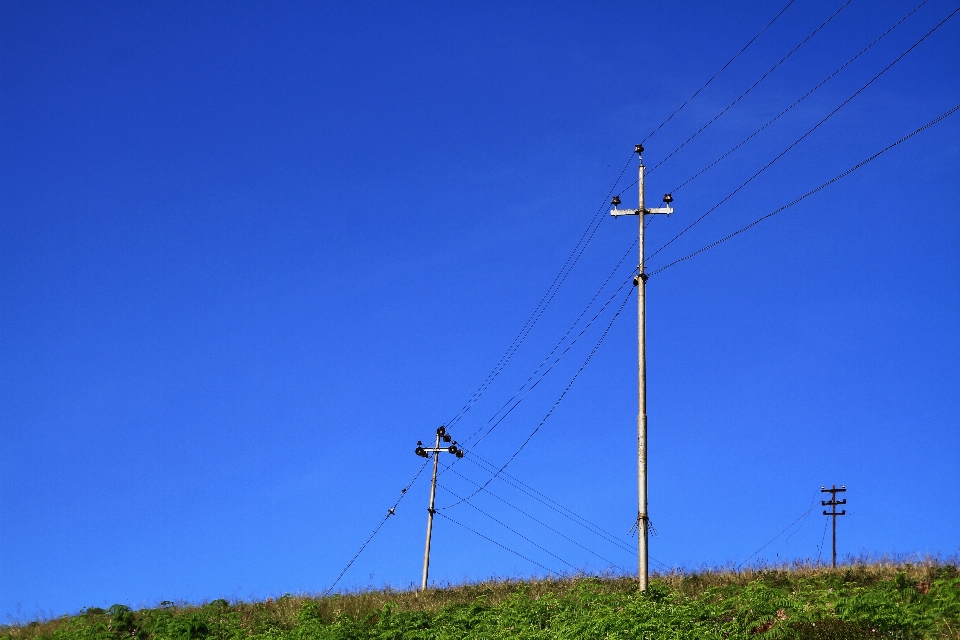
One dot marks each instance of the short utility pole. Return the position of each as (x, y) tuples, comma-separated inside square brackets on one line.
[(833, 513), (425, 453), (640, 281)]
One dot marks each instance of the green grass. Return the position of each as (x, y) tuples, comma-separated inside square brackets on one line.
[(857, 601)]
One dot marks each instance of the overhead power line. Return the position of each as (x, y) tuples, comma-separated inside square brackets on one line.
[(801, 138), (502, 417), (790, 526), (751, 87), (798, 101), (537, 520), (714, 76), (509, 528), (809, 193), (552, 409), (553, 505), (391, 511), (545, 301), (502, 546)]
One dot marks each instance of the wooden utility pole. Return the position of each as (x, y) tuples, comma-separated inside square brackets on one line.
[(425, 453), (833, 513)]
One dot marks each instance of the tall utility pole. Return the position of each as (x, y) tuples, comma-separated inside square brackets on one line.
[(832, 503), (640, 281), (425, 453)]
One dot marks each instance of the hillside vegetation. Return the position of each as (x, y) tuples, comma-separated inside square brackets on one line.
[(858, 601)]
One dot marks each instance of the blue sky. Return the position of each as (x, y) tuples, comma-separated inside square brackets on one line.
[(250, 254)]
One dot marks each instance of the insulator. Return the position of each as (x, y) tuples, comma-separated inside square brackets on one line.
[(452, 449), (446, 437), (441, 430), (616, 201), (668, 198), (459, 453), (638, 148)]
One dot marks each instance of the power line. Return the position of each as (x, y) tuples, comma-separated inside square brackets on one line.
[(714, 76), (769, 542), (751, 87), (552, 365), (537, 520), (799, 100), (556, 506), (553, 408), (809, 193), (546, 501), (390, 512), (822, 538), (801, 138), (554, 350), (545, 301), (502, 546), (511, 529)]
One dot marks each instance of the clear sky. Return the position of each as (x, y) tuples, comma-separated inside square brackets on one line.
[(250, 253)]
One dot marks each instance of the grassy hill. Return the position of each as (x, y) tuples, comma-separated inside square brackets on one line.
[(857, 601)]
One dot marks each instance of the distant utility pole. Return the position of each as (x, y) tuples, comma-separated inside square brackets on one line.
[(640, 281), (425, 453), (833, 513)]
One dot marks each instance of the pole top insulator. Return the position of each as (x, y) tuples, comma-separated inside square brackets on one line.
[(638, 148)]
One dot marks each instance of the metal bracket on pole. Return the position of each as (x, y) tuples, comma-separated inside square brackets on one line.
[(424, 452)]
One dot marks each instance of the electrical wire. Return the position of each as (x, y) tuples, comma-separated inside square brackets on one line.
[(802, 515), (509, 528), (550, 355), (545, 301), (555, 506), (751, 87), (575, 256), (566, 512), (809, 193), (799, 100), (537, 520), (801, 138), (714, 76), (822, 538), (552, 365), (391, 511), (552, 409), (502, 546)]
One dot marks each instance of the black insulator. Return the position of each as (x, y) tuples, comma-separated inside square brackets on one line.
[(452, 449), (667, 198), (616, 201), (441, 430), (446, 437), (459, 453), (638, 148)]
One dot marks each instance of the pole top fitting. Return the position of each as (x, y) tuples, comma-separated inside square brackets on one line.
[(638, 149)]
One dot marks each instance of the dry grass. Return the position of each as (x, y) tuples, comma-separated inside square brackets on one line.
[(283, 612)]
